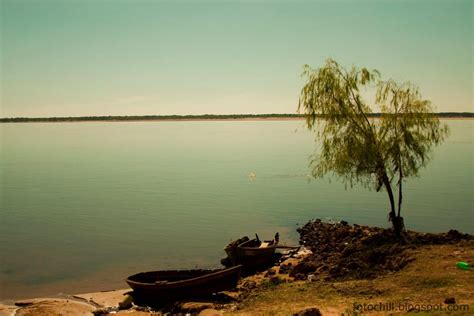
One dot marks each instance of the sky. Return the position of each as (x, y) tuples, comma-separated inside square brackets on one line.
[(80, 58)]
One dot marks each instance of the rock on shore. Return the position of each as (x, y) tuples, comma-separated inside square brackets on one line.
[(340, 250)]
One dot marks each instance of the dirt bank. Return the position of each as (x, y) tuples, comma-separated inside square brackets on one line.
[(343, 251), (430, 280)]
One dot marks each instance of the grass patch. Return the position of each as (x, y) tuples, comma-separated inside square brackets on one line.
[(433, 282), (272, 282)]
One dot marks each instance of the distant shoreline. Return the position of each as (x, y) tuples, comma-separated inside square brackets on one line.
[(207, 117)]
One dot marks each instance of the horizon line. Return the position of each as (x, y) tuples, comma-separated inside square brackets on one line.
[(188, 116)]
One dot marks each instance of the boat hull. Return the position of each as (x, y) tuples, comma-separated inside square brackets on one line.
[(165, 286), (251, 256)]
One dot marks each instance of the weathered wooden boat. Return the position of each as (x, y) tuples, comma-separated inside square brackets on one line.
[(231, 251), (164, 286), (256, 253), (251, 253)]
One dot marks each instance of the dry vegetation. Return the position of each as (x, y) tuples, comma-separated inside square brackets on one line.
[(431, 278)]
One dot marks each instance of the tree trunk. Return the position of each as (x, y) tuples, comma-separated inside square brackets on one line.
[(400, 180), (400, 223), (392, 216)]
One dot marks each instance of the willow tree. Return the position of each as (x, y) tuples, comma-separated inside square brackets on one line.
[(378, 153)]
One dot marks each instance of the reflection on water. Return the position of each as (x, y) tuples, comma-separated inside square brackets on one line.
[(86, 204)]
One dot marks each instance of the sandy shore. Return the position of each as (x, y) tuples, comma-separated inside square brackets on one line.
[(79, 304)]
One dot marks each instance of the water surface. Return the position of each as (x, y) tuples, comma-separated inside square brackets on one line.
[(85, 204)]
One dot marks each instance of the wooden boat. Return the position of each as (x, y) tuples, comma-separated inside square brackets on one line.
[(256, 253), (165, 286), (252, 253), (231, 251)]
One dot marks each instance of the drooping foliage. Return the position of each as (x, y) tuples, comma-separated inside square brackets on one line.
[(360, 149), (347, 136), (409, 128)]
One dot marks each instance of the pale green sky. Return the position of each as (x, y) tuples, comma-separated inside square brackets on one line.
[(74, 58)]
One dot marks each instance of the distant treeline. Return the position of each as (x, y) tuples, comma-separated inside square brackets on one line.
[(187, 117)]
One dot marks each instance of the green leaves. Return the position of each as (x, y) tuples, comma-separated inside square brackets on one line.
[(372, 152), (353, 146), (347, 136), (410, 130)]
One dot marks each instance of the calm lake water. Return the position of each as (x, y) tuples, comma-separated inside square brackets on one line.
[(83, 205)]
